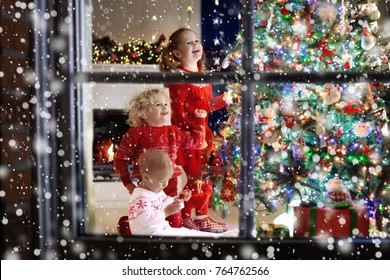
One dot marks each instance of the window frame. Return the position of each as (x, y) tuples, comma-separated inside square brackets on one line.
[(60, 224)]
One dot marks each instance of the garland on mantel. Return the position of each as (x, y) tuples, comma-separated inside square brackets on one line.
[(136, 51)]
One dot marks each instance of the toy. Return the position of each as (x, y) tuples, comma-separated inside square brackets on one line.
[(338, 194)]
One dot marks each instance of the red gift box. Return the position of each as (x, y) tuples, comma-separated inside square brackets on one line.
[(326, 221)]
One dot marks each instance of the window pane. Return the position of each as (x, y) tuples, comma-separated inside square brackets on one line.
[(322, 145), (302, 131), (318, 36), (108, 198)]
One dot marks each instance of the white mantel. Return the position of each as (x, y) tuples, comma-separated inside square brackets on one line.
[(117, 95)]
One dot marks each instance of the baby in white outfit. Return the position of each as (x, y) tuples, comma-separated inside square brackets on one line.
[(149, 205)]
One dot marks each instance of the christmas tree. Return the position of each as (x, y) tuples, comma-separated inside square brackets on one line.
[(310, 137)]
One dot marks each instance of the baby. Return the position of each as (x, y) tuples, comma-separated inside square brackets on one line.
[(149, 205)]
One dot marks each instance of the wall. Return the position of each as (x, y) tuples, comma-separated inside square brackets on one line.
[(15, 142), (143, 19)]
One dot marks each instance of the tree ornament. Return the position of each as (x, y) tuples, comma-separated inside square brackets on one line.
[(368, 41), (363, 129), (304, 118), (296, 44), (289, 120), (265, 115), (379, 134), (331, 94), (370, 97), (385, 130), (216, 163), (228, 193), (366, 150), (326, 55), (339, 132), (327, 13), (235, 122), (384, 58), (285, 13), (298, 148), (269, 135), (258, 64), (354, 107), (370, 10), (376, 85), (297, 67), (348, 60), (344, 26), (338, 194), (320, 127), (263, 23)]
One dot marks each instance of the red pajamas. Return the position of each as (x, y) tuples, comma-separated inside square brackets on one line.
[(186, 98), (169, 139)]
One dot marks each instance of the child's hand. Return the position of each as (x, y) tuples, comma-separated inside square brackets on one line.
[(130, 187), (173, 208), (185, 195), (200, 113)]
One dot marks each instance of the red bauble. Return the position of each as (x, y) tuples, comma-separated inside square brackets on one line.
[(366, 150), (284, 12), (376, 85), (263, 23)]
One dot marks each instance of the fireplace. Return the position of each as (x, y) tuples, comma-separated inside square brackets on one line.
[(109, 126)]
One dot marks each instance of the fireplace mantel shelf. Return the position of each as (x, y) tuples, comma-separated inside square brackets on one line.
[(116, 95)]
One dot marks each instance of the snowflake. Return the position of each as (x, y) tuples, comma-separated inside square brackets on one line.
[(141, 204), (156, 206), (328, 216), (131, 210)]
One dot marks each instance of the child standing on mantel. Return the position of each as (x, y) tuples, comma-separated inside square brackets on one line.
[(149, 115)]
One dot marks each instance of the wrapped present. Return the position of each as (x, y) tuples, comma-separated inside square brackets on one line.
[(272, 230), (326, 221)]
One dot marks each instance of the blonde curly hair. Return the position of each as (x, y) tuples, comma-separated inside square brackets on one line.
[(136, 108)]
